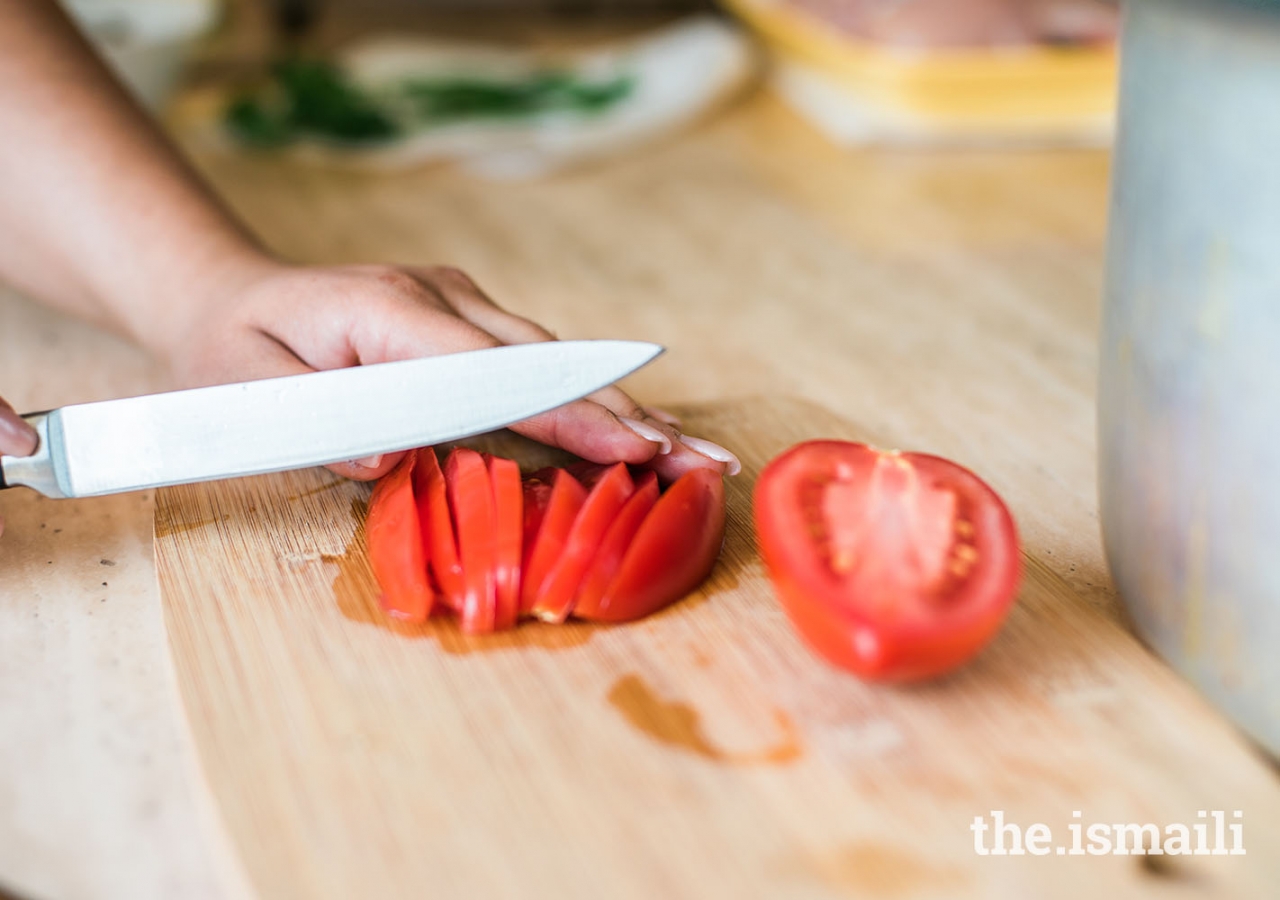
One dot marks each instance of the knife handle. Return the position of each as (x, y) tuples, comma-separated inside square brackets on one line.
[(35, 471)]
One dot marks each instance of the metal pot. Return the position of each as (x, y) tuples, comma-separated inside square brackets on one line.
[(1189, 405)]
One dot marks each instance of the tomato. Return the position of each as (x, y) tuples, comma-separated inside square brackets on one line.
[(440, 546), (673, 551), (508, 503), (608, 557), (551, 515), (395, 545), (553, 599), (896, 566), (586, 539), (471, 501)]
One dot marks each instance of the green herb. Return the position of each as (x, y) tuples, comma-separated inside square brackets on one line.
[(450, 99), (314, 98), (308, 97)]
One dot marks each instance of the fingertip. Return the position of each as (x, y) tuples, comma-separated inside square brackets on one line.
[(589, 430), (362, 470), (649, 433), (728, 461)]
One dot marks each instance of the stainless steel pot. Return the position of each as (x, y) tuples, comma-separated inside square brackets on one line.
[(1189, 406)]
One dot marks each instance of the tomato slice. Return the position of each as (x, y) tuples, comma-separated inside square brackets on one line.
[(537, 497), (608, 557), (587, 473), (897, 566), (395, 547), (552, 500), (673, 551), (438, 539), (508, 503), (471, 502), (553, 600)]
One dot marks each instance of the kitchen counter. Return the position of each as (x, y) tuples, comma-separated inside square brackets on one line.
[(945, 302)]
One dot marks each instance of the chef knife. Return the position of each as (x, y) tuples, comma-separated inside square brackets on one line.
[(319, 418)]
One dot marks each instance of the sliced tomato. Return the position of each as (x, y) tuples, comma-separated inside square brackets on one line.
[(896, 566), (508, 504), (537, 497), (438, 538), (553, 600), (608, 557), (672, 552), (552, 502), (471, 502), (395, 547), (587, 473)]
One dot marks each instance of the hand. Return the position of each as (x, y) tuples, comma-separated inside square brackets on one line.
[(283, 320), (17, 438)]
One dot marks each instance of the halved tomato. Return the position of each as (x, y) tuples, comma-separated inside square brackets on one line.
[(608, 557), (508, 504), (896, 566), (552, 500), (673, 551), (553, 599), (395, 545), (471, 503), (437, 528)]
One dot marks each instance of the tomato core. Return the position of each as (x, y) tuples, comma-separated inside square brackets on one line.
[(891, 531)]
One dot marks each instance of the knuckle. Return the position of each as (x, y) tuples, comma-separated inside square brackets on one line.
[(398, 282), (453, 276)]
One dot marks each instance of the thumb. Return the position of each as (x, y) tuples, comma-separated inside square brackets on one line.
[(17, 438)]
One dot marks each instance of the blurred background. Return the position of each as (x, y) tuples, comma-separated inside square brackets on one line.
[(862, 72)]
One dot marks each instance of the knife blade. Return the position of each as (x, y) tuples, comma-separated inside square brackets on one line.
[(256, 427)]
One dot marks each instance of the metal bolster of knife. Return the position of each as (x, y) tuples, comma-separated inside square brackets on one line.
[(37, 470)]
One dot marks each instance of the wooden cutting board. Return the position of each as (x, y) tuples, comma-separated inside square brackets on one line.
[(702, 752)]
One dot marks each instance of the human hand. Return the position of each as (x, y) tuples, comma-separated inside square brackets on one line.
[(284, 320), (17, 438)]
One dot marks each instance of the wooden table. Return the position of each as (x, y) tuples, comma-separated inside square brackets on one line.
[(941, 301)]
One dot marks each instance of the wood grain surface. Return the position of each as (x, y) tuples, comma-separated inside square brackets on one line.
[(945, 302), (701, 753), (96, 769)]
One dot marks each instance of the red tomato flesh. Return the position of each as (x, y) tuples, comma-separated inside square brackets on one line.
[(438, 539), (475, 537), (608, 558), (508, 502), (897, 566), (395, 545), (673, 551), (551, 514), (553, 600), (471, 503)]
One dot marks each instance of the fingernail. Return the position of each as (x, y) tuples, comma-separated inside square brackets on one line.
[(649, 433), (662, 416), (369, 462), (713, 451)]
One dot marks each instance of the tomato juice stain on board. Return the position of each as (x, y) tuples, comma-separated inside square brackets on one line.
[(356, 592), (678, 725)]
